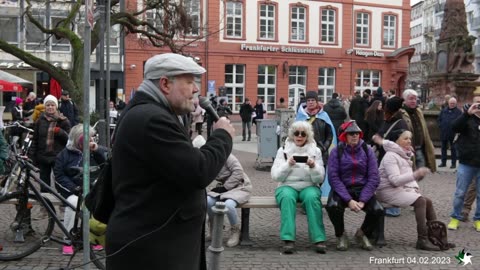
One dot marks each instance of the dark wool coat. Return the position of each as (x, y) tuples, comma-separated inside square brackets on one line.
[(336, 112), (357, 110), (38, 151), (468, 143), (159, 182), (445, 120)]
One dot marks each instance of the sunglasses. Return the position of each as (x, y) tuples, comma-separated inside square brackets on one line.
[(353, 133), (300, 133)]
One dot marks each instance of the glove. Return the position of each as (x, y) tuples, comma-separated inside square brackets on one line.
[(56, 130)]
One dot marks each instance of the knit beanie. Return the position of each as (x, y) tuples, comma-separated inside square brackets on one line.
[(18, 101), (393, 104), (312, 94), (379, 91), (50, 98), (395, 134)]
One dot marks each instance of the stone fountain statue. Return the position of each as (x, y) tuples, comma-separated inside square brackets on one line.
[(454, 70)]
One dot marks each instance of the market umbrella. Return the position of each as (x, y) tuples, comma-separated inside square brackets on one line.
[(10, 87)]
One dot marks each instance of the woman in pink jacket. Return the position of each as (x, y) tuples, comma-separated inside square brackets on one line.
[(398, 182)]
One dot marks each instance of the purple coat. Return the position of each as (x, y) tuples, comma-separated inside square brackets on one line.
[(351, 172)]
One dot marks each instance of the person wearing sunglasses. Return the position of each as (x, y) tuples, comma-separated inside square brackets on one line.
[(298, 169), (353, 177)]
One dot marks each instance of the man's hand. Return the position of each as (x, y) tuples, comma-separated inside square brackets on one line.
[(224, 123), (475, 108), (377, 139)]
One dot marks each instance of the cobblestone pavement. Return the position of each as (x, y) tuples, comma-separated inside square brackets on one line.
[(264, 228)]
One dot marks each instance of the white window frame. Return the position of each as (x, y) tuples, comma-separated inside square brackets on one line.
[(235, 88), (297, 24), (328, 25), (10, 19), (267, 72), (365, 79), (114, 39), (326, 83), (35, 45), (363, 34), (154, 17), (295, 75), (389, 30), (234, 21), (192, 8), (267, 22), (53, 45)]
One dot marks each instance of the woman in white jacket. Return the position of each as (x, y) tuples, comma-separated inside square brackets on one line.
[(298, 168), (398, 182)]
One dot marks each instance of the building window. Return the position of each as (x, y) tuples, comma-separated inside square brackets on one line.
[(367, 79), (155, 18), (192, 8), (10, 30), (235, 85), (234, 19), (114, 39), (326, 83), (267, 83), (36, 39), (267, 22), (297, 24), (59, 45), (297, 75), (389, 29), (362, 29), (328, 26)]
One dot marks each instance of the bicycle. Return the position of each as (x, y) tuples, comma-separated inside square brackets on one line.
[(12, 168), (25, 228)]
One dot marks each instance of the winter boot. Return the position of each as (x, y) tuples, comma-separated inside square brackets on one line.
[(234, 236)]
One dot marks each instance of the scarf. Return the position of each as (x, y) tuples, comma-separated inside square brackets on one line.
[(149, 88), (52, 119)]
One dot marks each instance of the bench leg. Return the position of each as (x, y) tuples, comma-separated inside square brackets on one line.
[(245, 231), (381, 232)]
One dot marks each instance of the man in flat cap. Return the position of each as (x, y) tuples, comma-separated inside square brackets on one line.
[(159, 178)]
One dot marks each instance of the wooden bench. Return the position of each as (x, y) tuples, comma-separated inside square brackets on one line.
[(257, 202)]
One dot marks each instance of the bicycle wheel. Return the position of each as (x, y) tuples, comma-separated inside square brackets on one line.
[(23, 228), (11, 180), (98, 257)]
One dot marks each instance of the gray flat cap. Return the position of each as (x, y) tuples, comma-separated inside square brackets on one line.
[(171, 64)]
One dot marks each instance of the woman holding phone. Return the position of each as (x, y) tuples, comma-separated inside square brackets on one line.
[(298, 168)]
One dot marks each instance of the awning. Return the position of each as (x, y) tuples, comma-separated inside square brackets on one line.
[(5, 76), (10, 87)]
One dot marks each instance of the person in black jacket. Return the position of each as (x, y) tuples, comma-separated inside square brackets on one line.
[(246, 111), (468, 147), (67, 180), (335, 111), (357, 109), (50, 136), (445, 120), (159, 178), (68, 108)]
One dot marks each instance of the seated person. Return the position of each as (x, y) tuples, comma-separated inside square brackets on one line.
[(66, 182), (299, 181), (398, 182), (233, 188), (353, 176)]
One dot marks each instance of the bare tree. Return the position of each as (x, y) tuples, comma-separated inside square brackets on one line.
[(158, 22)]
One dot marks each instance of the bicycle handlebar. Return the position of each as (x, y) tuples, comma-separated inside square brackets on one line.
[(17, 124)]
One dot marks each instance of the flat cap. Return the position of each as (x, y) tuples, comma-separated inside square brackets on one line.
[(171, 64)]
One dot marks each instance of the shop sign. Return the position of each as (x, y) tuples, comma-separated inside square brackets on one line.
[(365, 53), (282, 49)]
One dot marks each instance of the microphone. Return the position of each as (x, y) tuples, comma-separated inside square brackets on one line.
[(207, 106)]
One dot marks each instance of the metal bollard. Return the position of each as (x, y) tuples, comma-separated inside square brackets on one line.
[(216, 248)]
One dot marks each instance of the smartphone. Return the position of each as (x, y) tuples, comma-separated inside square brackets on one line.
[(300, 159)]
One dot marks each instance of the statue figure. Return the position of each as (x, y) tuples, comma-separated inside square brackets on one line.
[(461, 54)]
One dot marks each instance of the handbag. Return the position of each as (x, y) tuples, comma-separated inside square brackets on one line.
[(100, 200)]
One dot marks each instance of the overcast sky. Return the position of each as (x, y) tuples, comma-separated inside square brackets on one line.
[(413, 2)]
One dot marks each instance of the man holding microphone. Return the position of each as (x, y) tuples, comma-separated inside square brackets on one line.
[(159, 178)]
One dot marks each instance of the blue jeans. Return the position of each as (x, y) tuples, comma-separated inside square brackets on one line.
[(465, 174), (248, 125), (229, 204)]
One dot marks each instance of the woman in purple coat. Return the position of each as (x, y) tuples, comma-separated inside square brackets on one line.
[(353, 176)]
